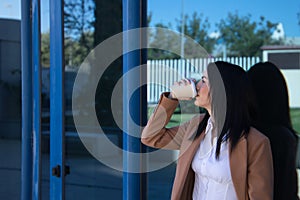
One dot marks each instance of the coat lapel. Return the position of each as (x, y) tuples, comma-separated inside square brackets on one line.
[(189, 153), (183, 167), (238, 168)]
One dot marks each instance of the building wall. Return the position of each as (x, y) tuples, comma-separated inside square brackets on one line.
[(292, 78), (291, 71)]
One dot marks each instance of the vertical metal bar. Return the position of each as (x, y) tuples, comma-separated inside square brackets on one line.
[(26, 170), (182, 30), (134, 184), (36, 49), (57, 134)]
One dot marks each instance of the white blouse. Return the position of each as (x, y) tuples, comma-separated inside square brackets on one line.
[(212, 177)]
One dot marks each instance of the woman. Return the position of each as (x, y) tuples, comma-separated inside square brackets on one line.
[(221, 155), (274, 121)]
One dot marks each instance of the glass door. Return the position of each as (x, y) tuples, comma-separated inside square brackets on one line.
[(87, 23)]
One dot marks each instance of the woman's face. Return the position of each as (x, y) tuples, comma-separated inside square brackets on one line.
[(203, 97)]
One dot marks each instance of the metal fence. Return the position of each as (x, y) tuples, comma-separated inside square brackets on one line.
[(161, 74)]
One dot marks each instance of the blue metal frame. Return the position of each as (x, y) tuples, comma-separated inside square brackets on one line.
[(134, 184), (26, 170), (134, 16), (36, 49), (57, 130)]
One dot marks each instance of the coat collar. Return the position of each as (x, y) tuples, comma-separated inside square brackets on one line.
[(238, 164)]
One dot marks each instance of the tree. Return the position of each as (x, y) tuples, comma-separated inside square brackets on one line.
[(149, 18), (162, 39), (197, 28), (45, 49), (78, 27), (75, 51), (243, 37), (78, 17)]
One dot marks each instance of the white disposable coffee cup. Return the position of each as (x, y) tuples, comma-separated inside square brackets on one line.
[(184, 90)]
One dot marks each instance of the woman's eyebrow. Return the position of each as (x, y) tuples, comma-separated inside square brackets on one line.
[(203, 77)]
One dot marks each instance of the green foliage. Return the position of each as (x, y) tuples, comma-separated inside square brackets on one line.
[(78, 27), (295, 117), (78, 32), (244, 37), (164, 40), (45, 49), (76, 50), (149, 18), (197, 27)]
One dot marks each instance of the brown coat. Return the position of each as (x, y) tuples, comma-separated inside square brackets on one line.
[(250, 161)]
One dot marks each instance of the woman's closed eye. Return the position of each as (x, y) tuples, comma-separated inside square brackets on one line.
[(203, 79)]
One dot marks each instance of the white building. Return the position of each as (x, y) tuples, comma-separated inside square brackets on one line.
[(287, 58)]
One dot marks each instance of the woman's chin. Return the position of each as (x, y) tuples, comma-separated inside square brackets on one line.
[(197, 103)]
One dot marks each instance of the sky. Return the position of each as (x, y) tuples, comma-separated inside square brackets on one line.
[(276, 11), (166, 11)]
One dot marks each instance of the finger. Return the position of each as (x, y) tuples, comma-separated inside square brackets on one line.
[(172, 96), (185, 81), (188, 80), (192, 79), (176, 83)]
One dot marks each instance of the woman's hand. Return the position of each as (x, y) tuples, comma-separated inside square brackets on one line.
[(177, 86)]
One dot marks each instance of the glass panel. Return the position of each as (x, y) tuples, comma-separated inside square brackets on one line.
[(10, 106), (45, 64), (286, 60), (87, 23)]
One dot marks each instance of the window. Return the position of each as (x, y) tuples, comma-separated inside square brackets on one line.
[(289, 60)]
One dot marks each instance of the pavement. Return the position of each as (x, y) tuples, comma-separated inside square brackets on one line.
[(89, 179)]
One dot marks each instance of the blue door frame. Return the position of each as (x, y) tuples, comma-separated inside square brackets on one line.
[(134, 184), (57, 129), (31, 100), (26, 170), (134, 16), (37, 87)]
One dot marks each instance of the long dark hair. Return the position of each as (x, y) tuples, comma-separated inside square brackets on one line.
[(230, 103), (271, 95)]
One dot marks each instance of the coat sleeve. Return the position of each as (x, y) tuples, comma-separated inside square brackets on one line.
[(260, 168), (155, 134)]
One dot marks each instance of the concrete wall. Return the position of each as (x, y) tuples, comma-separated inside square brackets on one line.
[(292, 77)]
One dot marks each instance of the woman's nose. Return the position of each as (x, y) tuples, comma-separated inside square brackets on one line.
[(198, 86)]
